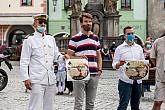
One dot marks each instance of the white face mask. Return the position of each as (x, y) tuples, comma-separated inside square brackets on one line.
[(41, 29)]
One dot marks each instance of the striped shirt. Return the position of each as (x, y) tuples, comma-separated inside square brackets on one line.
[(86, 45)]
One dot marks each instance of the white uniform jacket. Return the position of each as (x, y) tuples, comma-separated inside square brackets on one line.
[(38, 54)]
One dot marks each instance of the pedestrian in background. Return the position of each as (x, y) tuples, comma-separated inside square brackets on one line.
[(112, 49), (147, 50), (61, 75), (105, 53), (86, 45), (157, 55), (38, 54), (128, 89)]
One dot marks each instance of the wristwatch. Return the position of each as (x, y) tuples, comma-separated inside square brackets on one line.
[(100, 71)]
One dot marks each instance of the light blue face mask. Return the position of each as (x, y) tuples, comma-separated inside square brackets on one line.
[(130, 38), (41, 29), (148, 46)]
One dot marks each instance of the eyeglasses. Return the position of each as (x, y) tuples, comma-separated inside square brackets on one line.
[(41, 22), (130, 33)]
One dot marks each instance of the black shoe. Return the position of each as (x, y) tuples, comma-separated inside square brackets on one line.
[(59, 93)]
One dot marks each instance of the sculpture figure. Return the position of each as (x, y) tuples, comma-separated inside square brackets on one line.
[(110, 6), (76, 7), (96, 26)]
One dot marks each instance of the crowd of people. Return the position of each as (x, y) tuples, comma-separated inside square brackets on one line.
[(43, 67)]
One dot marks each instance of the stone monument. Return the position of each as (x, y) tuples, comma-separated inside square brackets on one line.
[(74, 17), (105, 14)]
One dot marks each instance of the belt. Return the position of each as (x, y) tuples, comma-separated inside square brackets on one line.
[(94, 74)]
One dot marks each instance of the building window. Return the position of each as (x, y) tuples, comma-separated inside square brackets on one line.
[(68, 3), (125, 4), (164, 4), (26, 2)]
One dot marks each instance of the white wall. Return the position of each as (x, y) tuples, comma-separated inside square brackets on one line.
[(15, 7)]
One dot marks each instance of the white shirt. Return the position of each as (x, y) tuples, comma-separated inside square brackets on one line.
[(38, 53), (126, 52)]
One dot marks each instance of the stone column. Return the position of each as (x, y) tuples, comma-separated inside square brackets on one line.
[(112, 24), (75, 24)]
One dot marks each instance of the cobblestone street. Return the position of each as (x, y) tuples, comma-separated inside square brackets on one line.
[(14, 97)]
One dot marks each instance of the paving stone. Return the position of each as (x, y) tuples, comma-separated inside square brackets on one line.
[(14, 97)]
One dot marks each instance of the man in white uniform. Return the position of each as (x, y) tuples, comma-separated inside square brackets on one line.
[(36, 65)]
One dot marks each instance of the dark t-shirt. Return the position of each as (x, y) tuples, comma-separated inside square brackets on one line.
[(113, 48)]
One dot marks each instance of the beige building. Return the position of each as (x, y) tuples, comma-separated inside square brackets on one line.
[(156, 18), (16, 19)]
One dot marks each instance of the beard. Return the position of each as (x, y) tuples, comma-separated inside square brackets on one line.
[(87, 27)]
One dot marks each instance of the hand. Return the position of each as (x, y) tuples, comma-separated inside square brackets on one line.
[(100, 72), (66, 56), (28, 84), (122, 62)]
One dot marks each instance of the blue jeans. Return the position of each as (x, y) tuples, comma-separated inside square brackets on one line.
[(128, 92)]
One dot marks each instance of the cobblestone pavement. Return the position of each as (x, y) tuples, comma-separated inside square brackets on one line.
[(13, 97)]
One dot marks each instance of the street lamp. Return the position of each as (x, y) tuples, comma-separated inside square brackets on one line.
[(54, 4)]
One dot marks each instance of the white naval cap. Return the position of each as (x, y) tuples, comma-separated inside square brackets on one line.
[(40, 17)]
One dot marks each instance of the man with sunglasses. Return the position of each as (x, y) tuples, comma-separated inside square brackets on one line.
[(128, 89), (36, 65)]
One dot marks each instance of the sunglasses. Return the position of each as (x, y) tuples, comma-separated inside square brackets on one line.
[(41, 22), (130, 33)]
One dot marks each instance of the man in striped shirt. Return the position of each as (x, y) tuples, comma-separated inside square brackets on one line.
[(86, 45)]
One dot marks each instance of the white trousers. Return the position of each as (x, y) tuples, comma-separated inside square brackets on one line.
[(41, 97)]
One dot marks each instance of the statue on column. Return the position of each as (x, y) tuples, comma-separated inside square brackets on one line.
[(76, 7), (110, 6), (96, 25)]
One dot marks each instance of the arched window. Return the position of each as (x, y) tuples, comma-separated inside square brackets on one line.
[(125, 4)]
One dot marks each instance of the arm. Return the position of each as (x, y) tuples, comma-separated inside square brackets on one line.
[(153, 53), (24, 63), (99, 61), (153, 60), (73, 56), (72, 49), (117, 62)]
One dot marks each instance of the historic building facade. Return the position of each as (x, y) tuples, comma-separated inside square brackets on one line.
[(134, 14), (16, 19), (156, 18), (59, 15)]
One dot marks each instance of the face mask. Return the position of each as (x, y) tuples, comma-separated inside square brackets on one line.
[(130, 38), (41, 29), (148, 46)]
